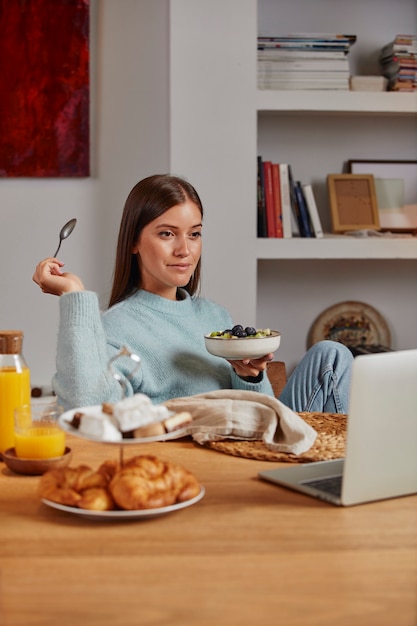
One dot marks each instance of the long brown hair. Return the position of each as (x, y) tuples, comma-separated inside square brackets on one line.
[(149, 199)]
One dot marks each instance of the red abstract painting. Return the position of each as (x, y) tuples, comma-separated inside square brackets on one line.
[(44, 88)]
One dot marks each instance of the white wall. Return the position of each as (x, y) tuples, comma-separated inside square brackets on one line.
[(213, 139), (130, 130)]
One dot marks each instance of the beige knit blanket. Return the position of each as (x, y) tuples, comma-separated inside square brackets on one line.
[(245, 415)]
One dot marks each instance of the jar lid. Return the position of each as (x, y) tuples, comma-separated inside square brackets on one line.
[(11, 341)]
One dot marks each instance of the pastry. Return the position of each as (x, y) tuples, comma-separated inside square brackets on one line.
[(144, 482), (96, 426), (134, 412), (133, 417), (169, 425), (80, 486)]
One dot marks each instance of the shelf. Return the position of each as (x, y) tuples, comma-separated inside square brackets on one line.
[(337, 247), (343, 102)]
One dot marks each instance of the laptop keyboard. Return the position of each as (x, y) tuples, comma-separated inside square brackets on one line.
[(332, 485)]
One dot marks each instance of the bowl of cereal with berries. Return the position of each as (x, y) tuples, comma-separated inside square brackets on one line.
[(240, 342)]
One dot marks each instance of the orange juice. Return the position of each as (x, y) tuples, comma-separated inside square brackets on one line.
[(40, 442), (14, 391)]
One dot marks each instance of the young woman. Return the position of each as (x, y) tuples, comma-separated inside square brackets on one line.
[(155, 312)]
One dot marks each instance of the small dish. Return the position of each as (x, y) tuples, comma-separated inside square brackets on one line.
[(243, 348), (34, 467)]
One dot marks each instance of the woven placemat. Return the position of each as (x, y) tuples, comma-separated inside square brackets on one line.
[(329, 444)]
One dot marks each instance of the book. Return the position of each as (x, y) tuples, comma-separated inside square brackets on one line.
[(272, 52), (294, 226), (305, 226), (398, 62), (294, 203), (269, 199), (368, 83), (275, 73), (277, 200), (309, 40), (299, 66), (277, 70), (312, 210), (285, 200), (300, 85), (261, 223)]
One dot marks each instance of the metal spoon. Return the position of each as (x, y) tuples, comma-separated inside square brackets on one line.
[(66, 230)]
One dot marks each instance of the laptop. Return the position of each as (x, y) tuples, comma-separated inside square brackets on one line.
[(381, 440)]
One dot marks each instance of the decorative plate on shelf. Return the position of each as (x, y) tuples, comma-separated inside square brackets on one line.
[(351, 323)]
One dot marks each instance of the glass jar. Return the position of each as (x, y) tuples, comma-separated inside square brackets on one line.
[(14, 384)]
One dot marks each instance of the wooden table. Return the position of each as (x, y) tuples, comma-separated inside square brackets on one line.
[(248, 553)]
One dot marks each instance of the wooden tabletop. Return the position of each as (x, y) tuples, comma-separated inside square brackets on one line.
[(249, 553)]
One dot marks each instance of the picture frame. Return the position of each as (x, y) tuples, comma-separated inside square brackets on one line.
[(353, 202), (396, 191)]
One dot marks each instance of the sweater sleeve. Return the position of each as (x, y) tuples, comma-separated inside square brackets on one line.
[(82, 377), (263, 386)]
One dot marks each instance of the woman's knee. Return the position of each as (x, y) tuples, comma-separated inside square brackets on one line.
[(327, 347)]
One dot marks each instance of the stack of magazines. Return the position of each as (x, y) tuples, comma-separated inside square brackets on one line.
[(399, 63), (304, 61)]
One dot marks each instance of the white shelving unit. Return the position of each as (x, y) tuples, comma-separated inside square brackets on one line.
[(338, 247), (220, 122), (342, 104), (318, 132), (351, 102)]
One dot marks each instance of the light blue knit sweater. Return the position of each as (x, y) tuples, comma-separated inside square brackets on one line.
[(167, 335)]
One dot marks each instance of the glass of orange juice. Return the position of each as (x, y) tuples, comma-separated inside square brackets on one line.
[(37, 431)]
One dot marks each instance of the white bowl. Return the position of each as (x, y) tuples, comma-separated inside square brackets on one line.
[(237, 349)]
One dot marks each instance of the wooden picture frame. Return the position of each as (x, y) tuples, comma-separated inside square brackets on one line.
[(353, 202)]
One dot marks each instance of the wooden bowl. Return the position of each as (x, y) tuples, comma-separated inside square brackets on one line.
[(34, 467)]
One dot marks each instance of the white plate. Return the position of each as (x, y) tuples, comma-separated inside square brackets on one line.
[(65, 419), (105, 516)]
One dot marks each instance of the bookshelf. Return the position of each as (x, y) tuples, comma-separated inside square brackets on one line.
[(221, 124), (342, 103), (337, 247)]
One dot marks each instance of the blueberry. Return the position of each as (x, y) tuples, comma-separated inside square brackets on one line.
[(237, 328), (250, 330), (240, 333)]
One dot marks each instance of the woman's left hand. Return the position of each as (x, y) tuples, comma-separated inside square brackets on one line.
[(251, 367)]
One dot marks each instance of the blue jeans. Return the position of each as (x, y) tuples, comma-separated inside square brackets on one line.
[(321, 381)]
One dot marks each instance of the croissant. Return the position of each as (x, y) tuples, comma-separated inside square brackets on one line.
[(144, 482), (80, 486), (96, 499), (61, 485)]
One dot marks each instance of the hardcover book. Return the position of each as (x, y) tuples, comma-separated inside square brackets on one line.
[(276, 189), (294, 204), (285, 200), (312, 209), (304, 212), (261, 227), (269, 199)]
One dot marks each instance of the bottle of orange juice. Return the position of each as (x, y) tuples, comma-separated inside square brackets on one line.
[(14, 384)]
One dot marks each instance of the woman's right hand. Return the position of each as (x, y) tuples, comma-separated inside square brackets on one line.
[(51, 279)]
